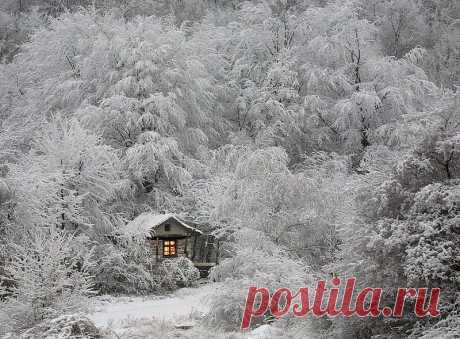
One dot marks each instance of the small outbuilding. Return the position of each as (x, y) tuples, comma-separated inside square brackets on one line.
[(169, 236)]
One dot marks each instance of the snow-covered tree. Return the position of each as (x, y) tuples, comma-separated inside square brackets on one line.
[(65, 178), (354, 93), (311, 137), (46, 275)]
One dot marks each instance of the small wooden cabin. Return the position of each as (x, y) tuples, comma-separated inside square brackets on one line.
[(170, 237)]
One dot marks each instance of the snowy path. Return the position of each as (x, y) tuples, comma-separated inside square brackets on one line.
[(111, 312)]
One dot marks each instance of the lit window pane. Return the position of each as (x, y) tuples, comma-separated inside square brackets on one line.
[(169, 248)]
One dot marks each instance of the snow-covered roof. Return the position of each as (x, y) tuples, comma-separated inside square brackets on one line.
[(145, 222)]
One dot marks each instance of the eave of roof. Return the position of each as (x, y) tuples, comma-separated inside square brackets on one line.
[(146, 222)]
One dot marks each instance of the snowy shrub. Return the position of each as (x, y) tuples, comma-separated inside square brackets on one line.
[(49, 274), (448, 328), (268, 267), (227, 304), (426, 239), (69, 326), (177, 272), (432, 251), (123, 268), (257, 262)]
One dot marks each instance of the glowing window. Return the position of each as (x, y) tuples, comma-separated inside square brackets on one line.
[(169, 248)]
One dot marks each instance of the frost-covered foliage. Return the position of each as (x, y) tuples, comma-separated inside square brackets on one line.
[(46, 275), (309, 136), (257, 262), (70, 326), (447, 328), (135, 84), (178, 272), (125, 266), (129, 267), (283, 205), (72, 173), (407, 222), (432, 233)]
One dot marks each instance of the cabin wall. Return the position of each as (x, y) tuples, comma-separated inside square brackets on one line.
[(180, 247), (198, 249)]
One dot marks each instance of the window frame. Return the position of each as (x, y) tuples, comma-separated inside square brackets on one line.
[(170, 246)]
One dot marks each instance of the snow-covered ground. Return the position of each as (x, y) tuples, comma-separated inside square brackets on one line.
[(164, 316), (113, 313)]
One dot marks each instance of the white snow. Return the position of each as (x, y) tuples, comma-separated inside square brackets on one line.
[(132, 316), (264, 332), (113, 312), (145, 222)]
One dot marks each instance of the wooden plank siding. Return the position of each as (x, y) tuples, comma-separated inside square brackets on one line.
[(182, 247)]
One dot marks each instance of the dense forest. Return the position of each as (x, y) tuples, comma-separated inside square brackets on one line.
[(314, 138)]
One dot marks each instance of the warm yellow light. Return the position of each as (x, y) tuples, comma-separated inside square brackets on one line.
[(169, 247)]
